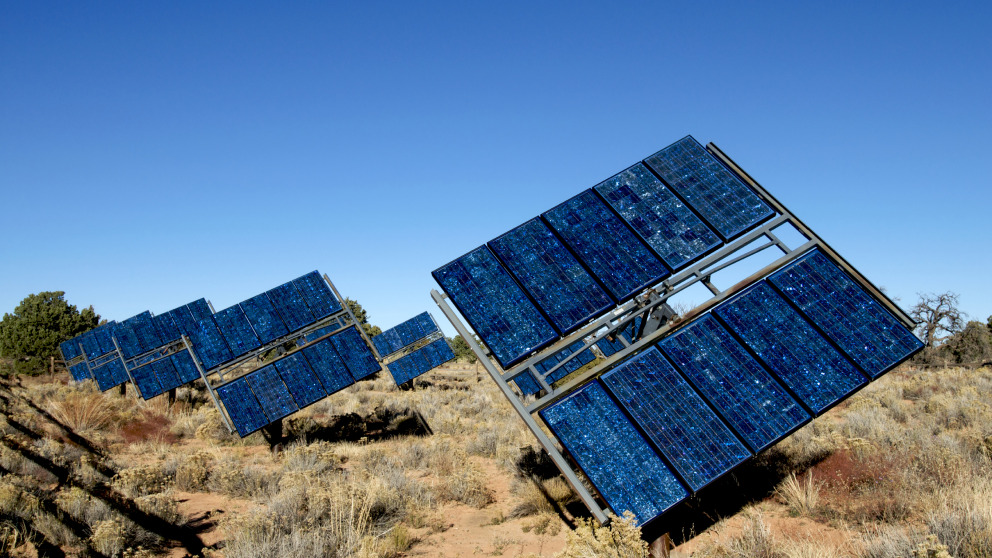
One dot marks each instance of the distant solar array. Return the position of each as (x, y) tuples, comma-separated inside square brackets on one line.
[(652, 407), (327, 351)]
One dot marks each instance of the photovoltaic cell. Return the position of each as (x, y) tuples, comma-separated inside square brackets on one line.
[(789, 346), (303, 385), (184, 319), (166, 326), (614, 254), (271, 393), (873, 338), (70, 349), (529, 386), (355, 354), (79, 372), (110, 374), (199, 309), (742, 391), (320, 332), (237, 331), (167, 374), (147, 382), (264, 319), (495, 306), (317, 294), (143, 326), (679, 422), (422, 360), (291, 306), (613, 454), (209, 344), (328, 366), (555, 280), (726, 203), (404, 334), (610, 348), (658, 216), (242, 406), (128, 339), (185, 367)]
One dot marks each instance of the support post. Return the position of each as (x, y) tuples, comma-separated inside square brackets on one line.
[(272, 433)]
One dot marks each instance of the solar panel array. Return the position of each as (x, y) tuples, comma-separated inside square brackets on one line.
[(732, 382), (529, 287), (405, 334), (246, 326), (696, 403), (296, 380), (422, 360)]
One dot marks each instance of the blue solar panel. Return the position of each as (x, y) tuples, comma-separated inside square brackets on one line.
[(320, 332), (79, 372), (674, 416), (873, 338), (242, 406), (271, 393), (601, 240), (167, 374), (726, 203), (70, 349), (127, 339), (264, 319), (495, 306), (422, 360), (199, 309), (742, 391), (357, 356), (147, 381), (185, 367), (556, 281), (184, 319), (300, 379), (209, 344), (613, 454), (658, 216), (317, 294), (527, 384), (143, 325), (406, 333), (90, 343), (328, 366), (103, 335), (291, 306), (237, 330), (166, 326), (110, 374), (805, 362)]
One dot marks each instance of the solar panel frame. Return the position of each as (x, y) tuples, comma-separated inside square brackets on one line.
[(405, 334), (242, 406), (565, 292), (858, 323), (708, 187), (237, 330), (676, 418), (749, 398), (496, 307), (605, 245), (780, 336), (300, 379), (328, 366), (421, 361), (318, 295), (614, 455), (271, 392), (658, 216), (264, 318)]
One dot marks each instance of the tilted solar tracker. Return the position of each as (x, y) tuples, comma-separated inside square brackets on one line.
[(320, 349), (573, 318)]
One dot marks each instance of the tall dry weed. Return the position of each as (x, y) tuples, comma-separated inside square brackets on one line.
[(621, 538), (83, 412)]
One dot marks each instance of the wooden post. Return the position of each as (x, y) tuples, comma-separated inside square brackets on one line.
[(172, 396), (273, 435), (51, 365), (124, 389)]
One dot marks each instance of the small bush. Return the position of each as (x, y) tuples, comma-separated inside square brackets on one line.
[(801, 497), (620, 539)]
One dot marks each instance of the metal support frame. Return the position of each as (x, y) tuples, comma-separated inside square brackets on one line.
[(656, 318), (120, 355), (206, 382)]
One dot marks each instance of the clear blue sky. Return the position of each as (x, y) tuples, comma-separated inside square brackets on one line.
[(155, 153)]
